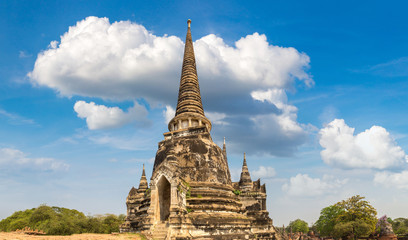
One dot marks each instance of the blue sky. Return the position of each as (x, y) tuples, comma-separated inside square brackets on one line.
[(86, 88)]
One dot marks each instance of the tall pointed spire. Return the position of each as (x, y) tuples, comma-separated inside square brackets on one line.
[(143, 181), (224, 153), (245, 182), (189, 99), (189, 111)]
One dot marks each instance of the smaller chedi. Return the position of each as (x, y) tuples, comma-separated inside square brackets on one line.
[(191, 195)]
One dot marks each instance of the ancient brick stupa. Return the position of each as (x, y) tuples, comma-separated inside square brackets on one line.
[(191, 195)]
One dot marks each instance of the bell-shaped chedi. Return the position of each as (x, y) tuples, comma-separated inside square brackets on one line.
[(137, 202), (188, 143), (191, 195)]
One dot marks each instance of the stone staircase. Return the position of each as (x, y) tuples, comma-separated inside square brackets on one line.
[(160, 231)]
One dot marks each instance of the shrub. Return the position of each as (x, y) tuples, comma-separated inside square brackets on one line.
[(61, 221), (237, 192)]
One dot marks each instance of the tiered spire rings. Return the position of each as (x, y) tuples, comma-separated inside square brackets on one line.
[(189, 112)]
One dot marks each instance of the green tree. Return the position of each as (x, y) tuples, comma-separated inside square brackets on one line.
[(400, 226), (354, 217), (358, 210), (122, 217), (93, 225), (298, 226), (111, 223), (353, 229), (42, 214), (328, 219), (17, 220)]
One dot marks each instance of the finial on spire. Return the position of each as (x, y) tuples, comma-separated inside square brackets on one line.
[(143, 181), (245, 163), (224, 150), (188, 22)]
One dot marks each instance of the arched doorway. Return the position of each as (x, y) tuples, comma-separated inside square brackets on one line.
[(164, 191)]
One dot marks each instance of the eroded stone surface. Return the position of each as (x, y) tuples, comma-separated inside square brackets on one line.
[(192, 153)]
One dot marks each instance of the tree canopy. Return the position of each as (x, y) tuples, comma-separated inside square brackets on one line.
[(399, 225), (61, 221), (328, 219), (298, 226), (352, 217)]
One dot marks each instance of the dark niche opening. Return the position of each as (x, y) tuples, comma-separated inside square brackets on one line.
[(164, 198)]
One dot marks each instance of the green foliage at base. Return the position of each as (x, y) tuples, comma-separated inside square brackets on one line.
[(187, 186), (142, 237), (356, 228), (399, 225), (354, 217), (61, 221), (298, 226), (237, 192), (148, 192)]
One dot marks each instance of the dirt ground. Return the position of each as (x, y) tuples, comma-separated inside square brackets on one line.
[(87, 236)]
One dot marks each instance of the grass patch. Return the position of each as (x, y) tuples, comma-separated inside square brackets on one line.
[(237, 192)]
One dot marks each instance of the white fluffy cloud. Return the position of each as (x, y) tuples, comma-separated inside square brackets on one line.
[(102, 117), (169, 113), (217, 118), (15, 158), (398, 180), (284, 126), (99, 59), (303, 185), (284, 122), (123, 60), (253, 61), (373, 148), (270, 127), (275, 96), (274, 131), (263, 172)]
